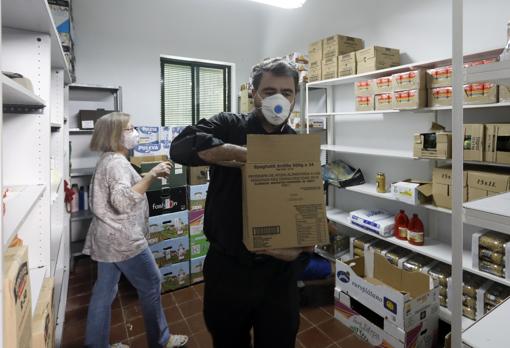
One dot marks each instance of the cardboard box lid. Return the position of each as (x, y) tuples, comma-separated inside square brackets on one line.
[(491, 181), (425, 187), (288, 148)]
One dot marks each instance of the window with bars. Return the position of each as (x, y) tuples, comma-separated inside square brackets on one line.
[(193, 90)]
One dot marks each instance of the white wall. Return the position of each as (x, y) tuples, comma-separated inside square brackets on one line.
[(119, 42)]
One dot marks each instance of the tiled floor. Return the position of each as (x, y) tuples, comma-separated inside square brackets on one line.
[(183, 308)]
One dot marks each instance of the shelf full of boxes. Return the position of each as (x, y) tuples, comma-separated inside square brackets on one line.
[(369, 89), (33, 98)]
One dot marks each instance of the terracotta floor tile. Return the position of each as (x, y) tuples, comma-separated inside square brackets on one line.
[(353, 342), (138, 342), (117, 316), (313, 338), (180, 328), (203, 339), (298, 344), (74, 331), (173, 314), (184, 295), (135, 327), (335, 330), (192, 343), (73, 343), (315, 315), (196, 323), (132, 312), (329, 309), (80, 278), (304, 324), (118, 333), (80, 289), (191, 308), (116, 303), (128, 299), (168, 300), (76, 315), (199, 289)]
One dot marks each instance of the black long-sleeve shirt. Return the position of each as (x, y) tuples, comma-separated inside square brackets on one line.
[(223, 221)]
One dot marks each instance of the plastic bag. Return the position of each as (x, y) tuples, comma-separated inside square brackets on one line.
[(340, 174)]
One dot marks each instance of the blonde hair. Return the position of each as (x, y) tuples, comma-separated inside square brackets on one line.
[(108, 130)]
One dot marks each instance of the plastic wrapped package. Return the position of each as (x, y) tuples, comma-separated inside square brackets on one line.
[(491, 256), (416, 263), (358, 252), (443, 291), (468, 302), (494, 241), (471, 284), (443, 301), (492, 268), (469, 312), (496, 294), (361, 242), (381, 246), (394, 255), (441, 272)]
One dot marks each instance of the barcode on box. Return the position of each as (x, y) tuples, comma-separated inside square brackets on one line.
[(266, 230)]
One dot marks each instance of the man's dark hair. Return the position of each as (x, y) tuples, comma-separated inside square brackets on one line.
[(277, 67)]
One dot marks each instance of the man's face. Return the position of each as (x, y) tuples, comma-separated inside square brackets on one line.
[(271, 84)]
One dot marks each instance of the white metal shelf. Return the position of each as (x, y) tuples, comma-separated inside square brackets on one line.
[(15, 94), (80, 131), (368, 151), (490, 331), (498, 72), (347, 113), (77, 172), (81, 215), (434, 249), (37, 276), (446, 316), (56, 125), (35, 16), (492, 213), (18, 204), (486, 164)]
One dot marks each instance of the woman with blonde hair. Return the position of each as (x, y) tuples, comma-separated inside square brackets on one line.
[(116, 236)]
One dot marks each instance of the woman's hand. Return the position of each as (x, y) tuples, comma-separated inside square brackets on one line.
[(162, 170)]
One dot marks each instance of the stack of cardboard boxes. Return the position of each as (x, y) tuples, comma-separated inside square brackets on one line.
[(376, 58), (245, 99), (44, 321)]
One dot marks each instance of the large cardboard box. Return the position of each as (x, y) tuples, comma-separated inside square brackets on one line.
[(412, 192), (409, 80), (504, 94), (315, 73), (144, 164), (315, 51), (175, 276), (376, 58), (347, 64), (474, 142), (283, 199), (384, 101), (198, 175), (197, 196), (413, 99), (364, 88), (440, 96), (170, 251), (480, 93), (347, 70), (365, 103), (475, 194), (383, 85), (197, 266), (43, 321), (330, 68), (497, 143), (439, 77), (17, 303), (435, 144), (168, 226), (338, 45), (198, 241), (402, 298), (442, 186), (168, 200), (495, 182)]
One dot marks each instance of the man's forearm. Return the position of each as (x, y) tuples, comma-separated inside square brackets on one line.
[(224, 153)]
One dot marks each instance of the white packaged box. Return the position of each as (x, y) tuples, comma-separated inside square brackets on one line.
[(149, 144), (376, 221), (412, 192)]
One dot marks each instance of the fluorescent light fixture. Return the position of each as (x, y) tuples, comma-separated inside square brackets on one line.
[(283, 3)]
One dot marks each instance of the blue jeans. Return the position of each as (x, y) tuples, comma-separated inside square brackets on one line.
[(143, 273)]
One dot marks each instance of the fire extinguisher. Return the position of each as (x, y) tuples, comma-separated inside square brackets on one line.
[(69, 196)]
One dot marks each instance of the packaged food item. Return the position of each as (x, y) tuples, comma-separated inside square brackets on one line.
[(480, 93), (443, 301), (471, 284), (359, 252), (439, 77), (492, 268), (441, 272), (491, 256), (417, 263), (469, 312), (494, 241), (443, 291), (488, 308), (364, 88), (496, 294), (396, 254), (384, 101), (381, 246), (360, 242), (416, 231), (382, 85), (401, 224), (409, 80), (365, 103), (469, 302)]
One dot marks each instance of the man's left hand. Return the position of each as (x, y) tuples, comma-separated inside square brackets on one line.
[(288, 254)]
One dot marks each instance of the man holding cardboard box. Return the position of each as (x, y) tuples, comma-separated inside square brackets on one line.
[(244, 289)]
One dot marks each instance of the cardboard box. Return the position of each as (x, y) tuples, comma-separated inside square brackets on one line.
[(198, 175), (338, 45), (245, 100), (315, 74), (282, 174), (376, 221), (197, 266), (412, 192), (433, 145), (198, 241), (62, 18), (88, 118), (330, 68), (144, 164), (167, 201), (504, 94), (365, 103), (384, 101), (400, 297), (347, 64), (383, 85), (167, 226), (475, 251), (175, 276), (442, 186), (347, 70), (413, 99), (17, 299), (315, 51), (376, 58), (441, 96), (474, 142), (475, 194), (439, 77), (44, 319), (411, 80), (197, 196), (480, 93), (171, 251), (497, 143), (496, 182), (364, 88)]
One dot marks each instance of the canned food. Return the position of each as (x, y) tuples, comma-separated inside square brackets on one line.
[(380, 180), (394, 255), (381, 246), (488, 308), (468, 302), (494, 241), (443, 301), (469, 312), (443, 291), (359, 252), (496, 294), (360, 242), (471, 284), (492, 268), (491, 256), (441, 272), (339, 243), (416, 263)]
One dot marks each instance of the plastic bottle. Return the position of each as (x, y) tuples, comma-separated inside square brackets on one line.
[(75, 205), (81, 200), (86, 198), (401, 225), (415, 231)]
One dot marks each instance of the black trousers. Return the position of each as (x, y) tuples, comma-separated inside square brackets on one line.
[(259, 294)]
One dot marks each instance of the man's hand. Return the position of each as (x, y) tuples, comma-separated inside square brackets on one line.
[(288, 254)]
